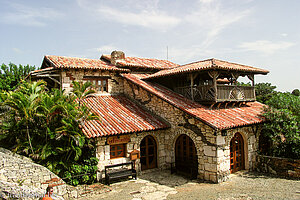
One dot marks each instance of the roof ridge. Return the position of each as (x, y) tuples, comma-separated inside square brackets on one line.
[(107, 55), (239, 64), (74, 57), (209, 59)]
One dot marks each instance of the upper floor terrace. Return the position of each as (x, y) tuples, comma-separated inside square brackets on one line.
[(210, 81)]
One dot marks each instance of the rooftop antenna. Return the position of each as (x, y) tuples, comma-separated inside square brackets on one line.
[(167, 53)]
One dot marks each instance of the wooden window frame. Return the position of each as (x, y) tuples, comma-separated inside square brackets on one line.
[(95, 82), (116, 150)]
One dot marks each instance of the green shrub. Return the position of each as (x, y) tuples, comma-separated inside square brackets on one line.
[(283, 128), (82, 173)]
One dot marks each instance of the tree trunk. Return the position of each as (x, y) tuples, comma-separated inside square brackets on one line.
[(28, 135)]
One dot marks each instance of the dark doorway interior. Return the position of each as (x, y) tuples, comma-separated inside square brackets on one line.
[(186, 160), (237, 159), (148, 153)]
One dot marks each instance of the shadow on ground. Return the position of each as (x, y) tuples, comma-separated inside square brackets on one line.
[(166, 178), (259, 175)]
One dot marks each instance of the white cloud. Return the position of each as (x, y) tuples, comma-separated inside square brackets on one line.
[(132, 12), (265, 46), (147, 18), (206, 1), (105, 49), (29, 16), (17, 50), (186, 54), (212, 17)]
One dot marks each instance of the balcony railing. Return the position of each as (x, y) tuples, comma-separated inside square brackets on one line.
[(207, 93)]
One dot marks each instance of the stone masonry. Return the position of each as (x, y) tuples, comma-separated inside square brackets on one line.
[(213, 149), (19, 169), (115, 82)]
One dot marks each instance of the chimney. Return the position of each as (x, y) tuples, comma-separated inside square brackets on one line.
[(117, 56)]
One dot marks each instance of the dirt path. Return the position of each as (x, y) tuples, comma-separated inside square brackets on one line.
[(163, 185)]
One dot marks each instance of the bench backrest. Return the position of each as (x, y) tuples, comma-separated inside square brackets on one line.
[(119, 165)]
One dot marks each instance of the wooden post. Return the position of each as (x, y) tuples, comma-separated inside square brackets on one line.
[(214, 75), (192, 85), (251, 77)]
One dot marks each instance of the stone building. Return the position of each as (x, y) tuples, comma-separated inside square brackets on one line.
[(191, 118)]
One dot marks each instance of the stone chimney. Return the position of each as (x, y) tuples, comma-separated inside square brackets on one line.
[(117, 56)]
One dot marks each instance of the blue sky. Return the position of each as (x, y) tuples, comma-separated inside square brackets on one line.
[(260, 33)]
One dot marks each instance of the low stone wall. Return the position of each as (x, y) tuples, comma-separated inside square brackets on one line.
[(23, 171), (283, 167), (21, 178)]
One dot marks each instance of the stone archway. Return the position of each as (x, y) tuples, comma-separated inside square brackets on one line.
[(237, 153), (186, 160), (148, 153)]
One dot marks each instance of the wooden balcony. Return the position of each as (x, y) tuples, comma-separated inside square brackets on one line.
[(224, 93)]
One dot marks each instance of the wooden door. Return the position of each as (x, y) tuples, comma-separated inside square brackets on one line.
[(237, 159), (148, 153), (185, 156)]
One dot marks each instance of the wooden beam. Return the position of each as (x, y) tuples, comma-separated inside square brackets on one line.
[(226, 105), (214, 75), (50, 77), (192, 86), (235, 76), (251, 77)]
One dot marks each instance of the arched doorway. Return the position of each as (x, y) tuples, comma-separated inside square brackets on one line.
[(237, 158), (148, 153), (186, 160)]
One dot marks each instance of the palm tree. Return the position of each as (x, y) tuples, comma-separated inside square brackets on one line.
[(82, 90), (23, 105)]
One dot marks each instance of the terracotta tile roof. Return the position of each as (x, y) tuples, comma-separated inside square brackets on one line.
[(42, 70), (80, 63), (215, 118), (223, 80), (118, 115), (143, 62), (210, 64)]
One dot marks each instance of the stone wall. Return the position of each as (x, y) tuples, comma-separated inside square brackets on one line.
[(250, 135), (282, 167), (22, 171), (202, 135), (103, 151), (213, 149), (115, 82), (20, 177)]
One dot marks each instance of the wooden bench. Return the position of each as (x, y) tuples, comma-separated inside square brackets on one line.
[(121, 172)]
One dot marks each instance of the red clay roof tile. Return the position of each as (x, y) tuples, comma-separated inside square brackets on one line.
[(210, 64), (220, 119), (143, 62), (118, 115), (80, 63)]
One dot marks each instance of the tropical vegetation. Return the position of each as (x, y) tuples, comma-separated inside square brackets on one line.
[(11, 75), (283, 127), (46, 126), (281, 133)]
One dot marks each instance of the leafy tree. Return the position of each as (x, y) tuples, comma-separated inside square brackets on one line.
[(243, 84), (283, 127), (11, 75), (23, 106), (46, 126), (264, 91), (296, 92), (81, 90)]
